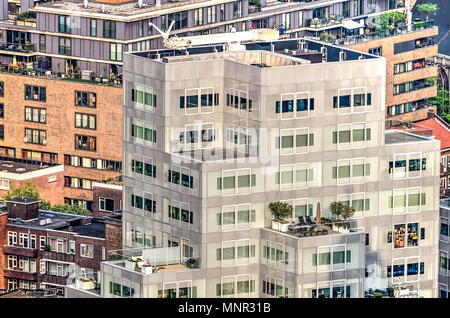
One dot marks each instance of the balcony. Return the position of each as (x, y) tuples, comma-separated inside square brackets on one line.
[(10, 273), (58, 256), (153, 260), (89, 284), (316, 23), (54, 280), (7, 47), (400, 30), (19, 251)]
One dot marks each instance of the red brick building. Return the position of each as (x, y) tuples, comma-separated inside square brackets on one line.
[(107, 199), (44, 249), (51, 120), (48, 177)]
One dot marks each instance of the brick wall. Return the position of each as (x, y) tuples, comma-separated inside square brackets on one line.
[(50, 191), (387, 49), (60, 124), (109, 193), (3, 242), (113, 234)]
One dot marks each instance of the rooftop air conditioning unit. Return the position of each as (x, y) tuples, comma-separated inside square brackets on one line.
[(48, 221), (42, 222)]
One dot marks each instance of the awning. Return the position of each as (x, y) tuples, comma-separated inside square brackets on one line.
[(350, 24)]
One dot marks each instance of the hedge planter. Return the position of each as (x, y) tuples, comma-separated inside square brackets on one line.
[(85, 284), (146, 269), (279, 226)]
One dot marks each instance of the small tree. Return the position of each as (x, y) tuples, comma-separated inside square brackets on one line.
[(281, 210), (341, 210), (27, 190), (427, 9)]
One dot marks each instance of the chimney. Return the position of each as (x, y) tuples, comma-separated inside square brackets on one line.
[(140, 3), (22, 208), (85, 3), (431, 114), (157, 3)]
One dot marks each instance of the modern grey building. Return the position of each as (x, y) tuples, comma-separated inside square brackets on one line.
[(71, 36), (212, 137)]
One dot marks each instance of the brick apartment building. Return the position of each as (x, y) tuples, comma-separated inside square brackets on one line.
[(66, 122), (406, 71), (44, 249), (107, 199), (48, 177)]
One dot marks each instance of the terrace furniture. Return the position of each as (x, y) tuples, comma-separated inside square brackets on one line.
[(309, 221), (301, 220)]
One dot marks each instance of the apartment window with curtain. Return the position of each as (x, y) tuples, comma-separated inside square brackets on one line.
[(85, 121), (35, 93), (109, 29), (85, 142), (222, 12), (346, 9), (2, 132), (64, 24), (140, 28), (237, 9), (42, 45), (2, 111), (198, 17), (116, 52), (355, 8), (37, 115), (93, 27), (286, 20), (35, 136), (65, 46), (211, 14)]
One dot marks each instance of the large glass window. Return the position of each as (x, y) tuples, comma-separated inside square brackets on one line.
[(109, 29)]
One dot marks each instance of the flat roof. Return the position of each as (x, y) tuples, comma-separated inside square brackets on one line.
[(394, 136), (20, 166), (57, 221), (286, 48), (22, 200)]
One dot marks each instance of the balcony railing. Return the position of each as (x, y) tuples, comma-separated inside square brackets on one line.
[(10, 273), (153, 260), (401, 29), (54, 279), (325, 22), (87, 283), (58, 256), (20, 251), (16, 47)]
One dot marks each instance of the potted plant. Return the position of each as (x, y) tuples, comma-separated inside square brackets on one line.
[(313, 233), (191, 262), (280, 211), (47, 248), (427, 9), (341, 211), (85, 283), (146, 268), (307, 233)]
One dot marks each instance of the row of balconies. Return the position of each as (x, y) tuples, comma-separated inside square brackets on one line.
[(29, 252)]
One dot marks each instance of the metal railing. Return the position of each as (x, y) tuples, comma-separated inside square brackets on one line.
[(17, 47), (399, 30)]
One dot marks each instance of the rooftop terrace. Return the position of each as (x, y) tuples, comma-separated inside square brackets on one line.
[(152, 260), (285, 50)]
